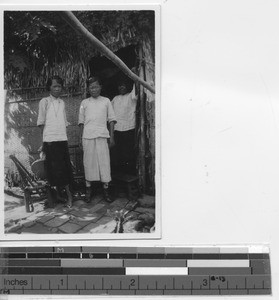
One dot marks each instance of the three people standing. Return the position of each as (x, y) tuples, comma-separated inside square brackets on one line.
[(97, 119)]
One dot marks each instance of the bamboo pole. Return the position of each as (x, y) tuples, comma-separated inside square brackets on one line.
[(71, 19), (142, 142)]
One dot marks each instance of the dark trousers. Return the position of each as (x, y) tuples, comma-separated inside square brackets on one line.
[(57, 164), (123, 155)]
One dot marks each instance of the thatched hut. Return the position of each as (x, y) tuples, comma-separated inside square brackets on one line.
[(75, 60)]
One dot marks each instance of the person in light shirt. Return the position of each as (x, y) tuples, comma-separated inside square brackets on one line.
[(52, 121), (95, 116), (124, 105)]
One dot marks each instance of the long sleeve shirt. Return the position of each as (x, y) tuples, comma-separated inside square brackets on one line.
[(52, 115), (95, 113), (125, 111)]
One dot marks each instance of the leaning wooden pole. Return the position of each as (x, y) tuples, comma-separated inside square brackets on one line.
[(71, 19), (142, 137)]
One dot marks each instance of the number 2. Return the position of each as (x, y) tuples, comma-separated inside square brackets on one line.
[(132, 283)]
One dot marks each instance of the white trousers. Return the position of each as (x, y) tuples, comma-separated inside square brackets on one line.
[(96, 159)]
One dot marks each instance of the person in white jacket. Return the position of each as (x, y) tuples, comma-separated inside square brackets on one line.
[(124, 105), (52, 121), (94, 115)]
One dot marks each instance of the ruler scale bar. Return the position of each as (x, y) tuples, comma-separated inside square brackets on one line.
[(133, 256), (157, 271), (135, 271), (54, 270), (94, 255), (33, 262), (220, 271), (218, 263), (47, 254), (258, 266), (94, 263), (154, 263), (123, 255)]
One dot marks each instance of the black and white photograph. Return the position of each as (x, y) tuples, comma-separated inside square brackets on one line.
[(81, 138)]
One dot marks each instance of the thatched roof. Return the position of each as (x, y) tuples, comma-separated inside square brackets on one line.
[(39, 51)]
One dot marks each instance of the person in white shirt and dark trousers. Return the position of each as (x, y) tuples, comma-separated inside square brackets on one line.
[(52, 121), (124, 105)]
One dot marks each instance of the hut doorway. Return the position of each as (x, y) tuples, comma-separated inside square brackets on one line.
[(109, 73)]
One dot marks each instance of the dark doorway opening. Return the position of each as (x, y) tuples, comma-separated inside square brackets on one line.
[(110, 74)]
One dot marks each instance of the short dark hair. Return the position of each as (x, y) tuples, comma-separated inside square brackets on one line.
[(122, 82), (49, 81), (93, 79)]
